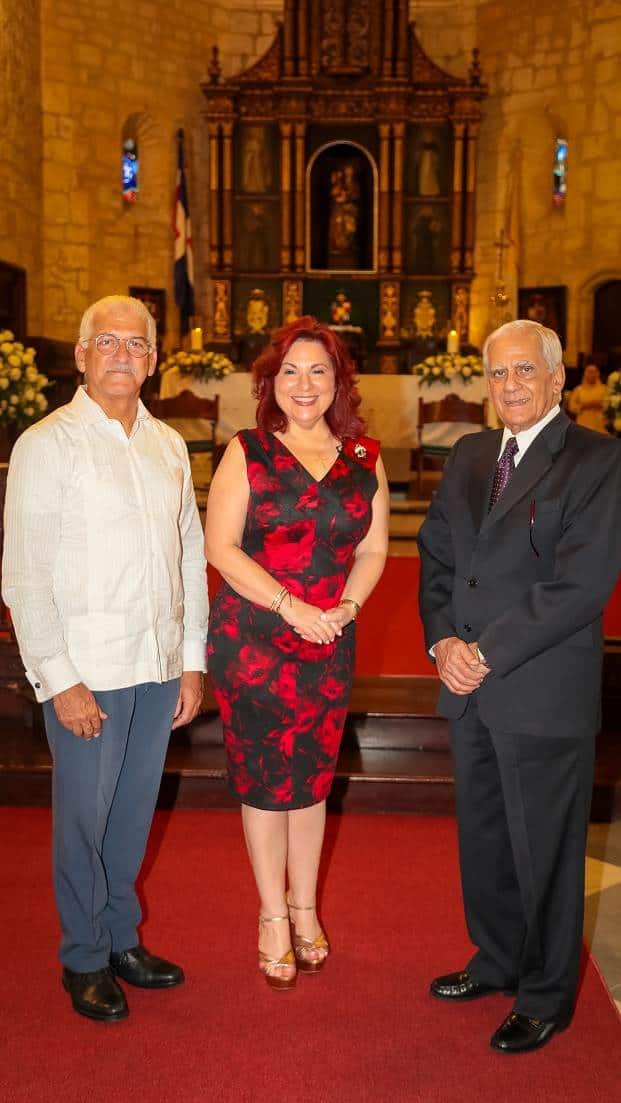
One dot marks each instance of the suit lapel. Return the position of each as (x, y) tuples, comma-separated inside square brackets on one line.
[(481, 476), (537, 461)]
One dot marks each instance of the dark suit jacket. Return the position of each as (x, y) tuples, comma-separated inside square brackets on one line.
[(537, 618)]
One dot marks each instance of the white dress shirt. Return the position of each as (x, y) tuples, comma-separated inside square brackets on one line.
[(527, 436), (103, 568)]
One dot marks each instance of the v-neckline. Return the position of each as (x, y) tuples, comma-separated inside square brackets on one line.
[(303, 466)]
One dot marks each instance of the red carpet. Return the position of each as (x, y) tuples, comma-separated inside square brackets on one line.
[(390, 635), (364, 1031)]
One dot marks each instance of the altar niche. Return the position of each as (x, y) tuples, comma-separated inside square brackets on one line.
[(341, 215)]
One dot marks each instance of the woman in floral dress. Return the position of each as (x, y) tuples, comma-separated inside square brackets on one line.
[(292, 505)]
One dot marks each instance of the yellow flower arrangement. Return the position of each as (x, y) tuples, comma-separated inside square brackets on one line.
[(612, 405), (446, 367), (21, 384), (201, 363)]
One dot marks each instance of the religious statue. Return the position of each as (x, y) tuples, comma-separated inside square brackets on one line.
[(428, 165), (344, 217), (256, 170), (340, 309), (424, 315)]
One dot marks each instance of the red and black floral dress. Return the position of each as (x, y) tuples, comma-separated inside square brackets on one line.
[(284, 700)]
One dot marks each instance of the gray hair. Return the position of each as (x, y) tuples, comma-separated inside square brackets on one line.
[(550, 346), (135, 306)]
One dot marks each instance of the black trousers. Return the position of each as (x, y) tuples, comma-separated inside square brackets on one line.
[(523, 805)]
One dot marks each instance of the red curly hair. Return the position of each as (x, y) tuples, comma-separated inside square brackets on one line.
[(341, 416)]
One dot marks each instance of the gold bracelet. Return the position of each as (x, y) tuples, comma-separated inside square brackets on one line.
[(278, 599), (281, 597), (350, 601)]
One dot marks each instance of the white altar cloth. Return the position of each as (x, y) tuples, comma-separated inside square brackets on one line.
[(389, 405)]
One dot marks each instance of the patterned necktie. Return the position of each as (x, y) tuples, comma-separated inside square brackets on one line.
[(504, 470)]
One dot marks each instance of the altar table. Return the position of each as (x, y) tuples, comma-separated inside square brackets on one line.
[(389, 405)]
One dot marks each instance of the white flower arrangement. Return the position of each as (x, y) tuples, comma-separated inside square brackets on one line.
[(446, 367), (612, 404), (200, 363), (21, 384)]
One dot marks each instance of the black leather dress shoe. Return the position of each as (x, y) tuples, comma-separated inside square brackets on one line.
[(460, 986), (96, 995), (519, 1034), (137, 966)]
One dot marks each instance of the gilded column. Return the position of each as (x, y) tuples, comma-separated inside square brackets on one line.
[(303, 38), (285, 196), (384, 205), (459, 130), (299, 248), (471, 164), (227, 195), (289, 44), (214, 196), (389, 30), (401, 64), (397, 197)]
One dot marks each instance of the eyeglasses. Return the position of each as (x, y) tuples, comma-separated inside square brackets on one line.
[(107, 344)]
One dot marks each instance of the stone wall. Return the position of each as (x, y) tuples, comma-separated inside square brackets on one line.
[(552, 71), (105, 65), (20, 145)]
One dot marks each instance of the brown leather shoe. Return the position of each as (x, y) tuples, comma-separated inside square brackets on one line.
[(137, 966), (96, 995)]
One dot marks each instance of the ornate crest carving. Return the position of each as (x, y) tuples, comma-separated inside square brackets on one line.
[(291, 300), (424, 315), (345, 43), (389, 311), (221, 291)]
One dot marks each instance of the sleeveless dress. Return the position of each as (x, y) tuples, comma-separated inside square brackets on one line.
[(283, 700)]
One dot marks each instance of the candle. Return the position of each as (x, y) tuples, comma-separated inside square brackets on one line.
[(452, 342), (196, 339)]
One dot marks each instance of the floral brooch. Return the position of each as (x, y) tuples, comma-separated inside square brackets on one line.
[(360, 451)]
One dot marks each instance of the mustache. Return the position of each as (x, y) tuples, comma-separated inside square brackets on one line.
[(124, 369)]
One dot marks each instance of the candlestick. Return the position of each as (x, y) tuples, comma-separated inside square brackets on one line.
[(196, 339), (452, 342)]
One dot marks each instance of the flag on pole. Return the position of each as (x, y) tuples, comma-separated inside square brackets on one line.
[(184, 255)]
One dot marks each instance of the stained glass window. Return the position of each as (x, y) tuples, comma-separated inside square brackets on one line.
[(129, 171), (560, 172)]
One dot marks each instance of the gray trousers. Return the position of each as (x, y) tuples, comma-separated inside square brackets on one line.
[(103, 798)]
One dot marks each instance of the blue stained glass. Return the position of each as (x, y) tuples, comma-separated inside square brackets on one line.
[(559, 172), (129, 171)]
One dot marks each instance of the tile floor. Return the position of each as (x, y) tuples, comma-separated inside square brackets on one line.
[(602, 925)]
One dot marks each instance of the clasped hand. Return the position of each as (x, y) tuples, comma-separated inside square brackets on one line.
[(458, 665), (316, 625), (78, 711)]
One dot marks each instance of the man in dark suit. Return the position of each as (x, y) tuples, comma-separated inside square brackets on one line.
[(520, 551)]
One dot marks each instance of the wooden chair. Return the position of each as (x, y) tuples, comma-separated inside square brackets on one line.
[(189, 407), (449, 409)]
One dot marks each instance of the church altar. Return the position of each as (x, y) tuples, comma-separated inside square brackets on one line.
[(389, 405)]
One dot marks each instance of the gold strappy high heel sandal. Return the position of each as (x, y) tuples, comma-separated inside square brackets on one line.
[(268, 965), (303, 946)]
